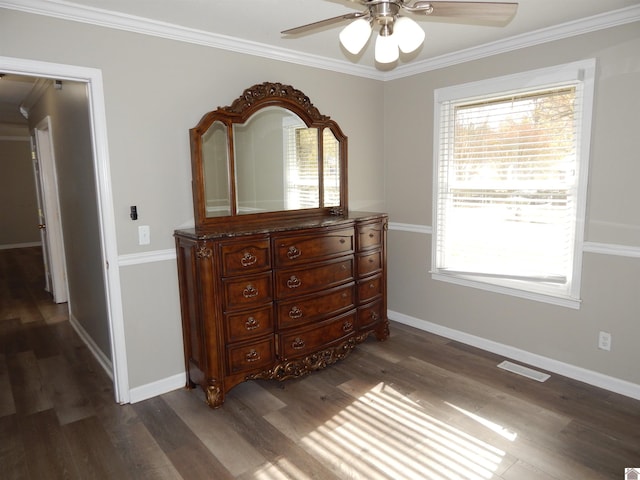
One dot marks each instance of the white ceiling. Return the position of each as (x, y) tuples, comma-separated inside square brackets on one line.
[(254, 26)]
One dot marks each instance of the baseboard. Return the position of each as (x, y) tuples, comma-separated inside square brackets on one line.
[(590, 377), (11, 246), (154, 389), (99, 355)]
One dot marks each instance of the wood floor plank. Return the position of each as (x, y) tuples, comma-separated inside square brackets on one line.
[(48, 453), (30, 394), (13, 459), (291, 458), (215, 429), (94, 456), (7, 404), (187, 453), (67, 393)]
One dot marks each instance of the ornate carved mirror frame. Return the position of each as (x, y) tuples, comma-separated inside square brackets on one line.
[(269, 155)]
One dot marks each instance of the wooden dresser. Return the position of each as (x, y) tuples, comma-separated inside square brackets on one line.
[(279, 299)]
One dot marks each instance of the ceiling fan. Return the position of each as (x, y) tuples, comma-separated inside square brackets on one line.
[(399, 32)]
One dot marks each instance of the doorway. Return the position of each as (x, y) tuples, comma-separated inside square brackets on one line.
[(92, 79)]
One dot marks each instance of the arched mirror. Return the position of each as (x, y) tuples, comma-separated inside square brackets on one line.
[(271, 154)]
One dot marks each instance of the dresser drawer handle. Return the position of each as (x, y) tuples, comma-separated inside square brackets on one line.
[(342, 240), (250, 291), (248, 259), (371, 260), (294, 282), (298, 344), (251, 324), (347, 326), (293, 252), (371, 235), (374, 316), (295, 313), (252, 356), (372, 285)]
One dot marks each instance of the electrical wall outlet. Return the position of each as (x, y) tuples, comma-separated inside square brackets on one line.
[(604, 341)]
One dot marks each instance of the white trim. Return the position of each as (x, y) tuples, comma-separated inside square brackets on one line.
[(104, 18), (95, 90), (594, 23), (146, 257), (590, 377), (159, 387), (131, 23), (588, 247), (99, 355), (612, 249), (10, 246), (504, 290), (410, 227)]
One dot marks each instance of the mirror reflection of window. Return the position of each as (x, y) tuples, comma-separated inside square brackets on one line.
[(216, 171), (301, 166), (331, 168)]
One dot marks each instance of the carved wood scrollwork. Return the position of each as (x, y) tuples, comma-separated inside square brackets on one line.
[(204, 252), (214, 396), (267, 89), (310, 363)]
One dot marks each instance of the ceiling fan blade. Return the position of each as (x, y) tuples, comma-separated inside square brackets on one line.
[(323, 23), (499, 12)]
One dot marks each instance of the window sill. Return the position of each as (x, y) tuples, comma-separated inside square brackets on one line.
[(563, 301)]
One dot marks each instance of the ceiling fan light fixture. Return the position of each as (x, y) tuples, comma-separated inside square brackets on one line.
[(386, 49), (409, 34), (355, 36)]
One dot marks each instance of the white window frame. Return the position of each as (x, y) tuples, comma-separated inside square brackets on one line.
[(581, 72)]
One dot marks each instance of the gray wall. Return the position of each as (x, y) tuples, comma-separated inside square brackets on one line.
[(68, 110), (610, 284), (18, 208)]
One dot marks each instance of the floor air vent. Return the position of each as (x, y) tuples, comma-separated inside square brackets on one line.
[(524, 371)]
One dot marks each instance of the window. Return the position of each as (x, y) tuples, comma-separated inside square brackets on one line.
[(510, 181)]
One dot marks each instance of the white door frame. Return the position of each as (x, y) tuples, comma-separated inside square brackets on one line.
[(50, 205), (93, 78)]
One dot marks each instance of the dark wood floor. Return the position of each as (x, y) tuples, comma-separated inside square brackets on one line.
[(415, 407)]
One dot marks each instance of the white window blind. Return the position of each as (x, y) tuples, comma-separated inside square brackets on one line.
[(509, 192), (302, 168)]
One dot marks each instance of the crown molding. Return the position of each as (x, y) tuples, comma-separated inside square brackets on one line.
[(105, 18), (558, 32)]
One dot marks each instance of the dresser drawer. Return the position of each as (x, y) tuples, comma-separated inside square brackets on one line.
[(370, 288), (311, 339), (293, 282), (316, 307), (369, 315), (241, 258), (246, 292), (251, 356), (249, 324), (370, 235), (295, 250), (369, 263)]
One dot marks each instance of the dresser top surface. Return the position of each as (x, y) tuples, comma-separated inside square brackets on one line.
[(272, 226)]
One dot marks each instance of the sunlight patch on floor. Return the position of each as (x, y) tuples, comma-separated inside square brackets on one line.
[(499, 429), (385, 435)]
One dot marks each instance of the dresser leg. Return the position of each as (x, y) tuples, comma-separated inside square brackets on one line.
[(215, 397), (382, 331)]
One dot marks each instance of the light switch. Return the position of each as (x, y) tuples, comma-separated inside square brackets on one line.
[(144, 235)]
